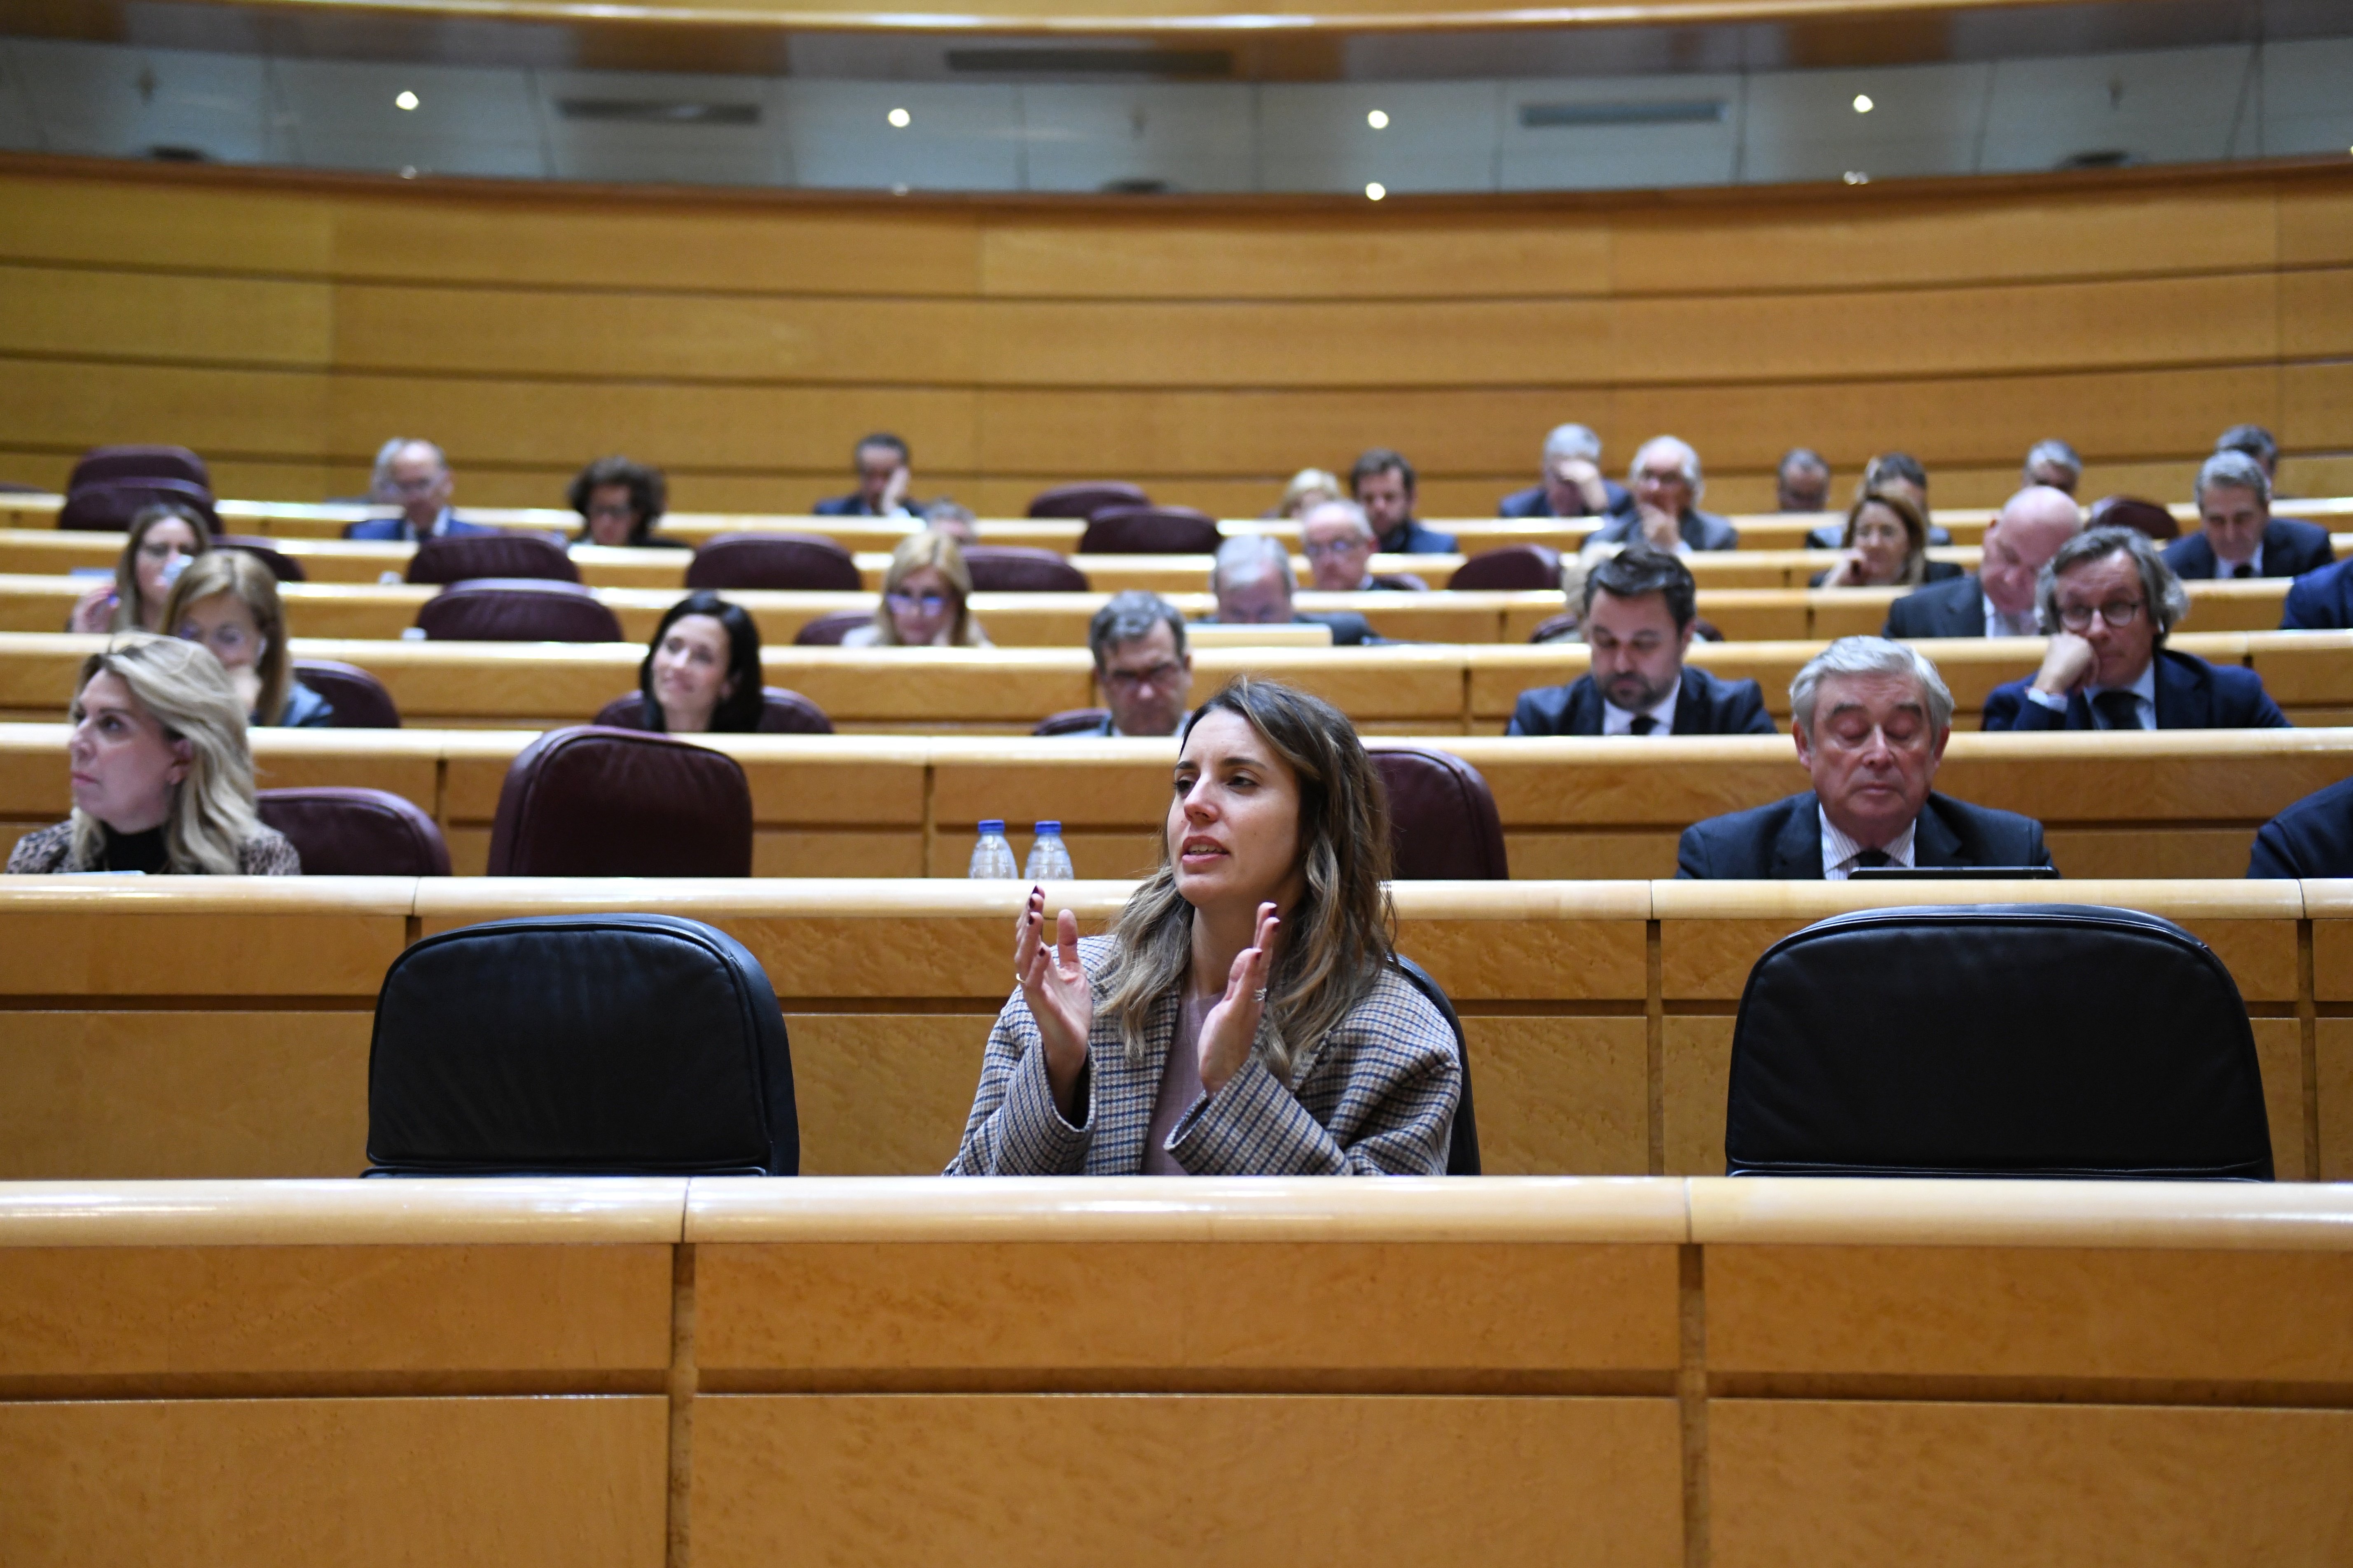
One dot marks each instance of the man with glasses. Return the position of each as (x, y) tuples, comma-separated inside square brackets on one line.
[(2107, 601), (1667, 484), (883, 476), (1251, 576), (1339, 545), (1142, 669), (414, 476)]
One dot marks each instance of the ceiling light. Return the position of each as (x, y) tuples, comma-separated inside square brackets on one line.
[(1378, 119), (1862, 104), (1856, 177), (900, 119), (1376, 191), (405, 99)]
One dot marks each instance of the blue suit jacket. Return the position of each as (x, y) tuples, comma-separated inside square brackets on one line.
[(2192, 694), (1410, 538), (2313, 837), (396, 528), (1705, 706), (1783, 842), (855, 506), (2320, 601), (1701, 531), (1533, 502), (2290, 549), (1952, 608)]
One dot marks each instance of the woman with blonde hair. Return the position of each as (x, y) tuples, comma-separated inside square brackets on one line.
[(1886, 546), (1308, 488), (161, 779), (164, 539), (1246, 1017), (228, 602), (925, 595)]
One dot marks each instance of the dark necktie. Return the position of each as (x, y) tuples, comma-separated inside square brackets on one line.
[(2243, 569), (1874, 858), (1641, 724), (2118, 710)]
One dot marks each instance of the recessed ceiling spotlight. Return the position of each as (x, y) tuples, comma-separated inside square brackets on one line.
[(1378, 119), (1856, 177), (1376, 191), (405, 99), (900, 119), (1862, 104)]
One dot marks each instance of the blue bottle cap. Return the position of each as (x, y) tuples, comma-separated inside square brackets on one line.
[(993, 825), (1050, 828)]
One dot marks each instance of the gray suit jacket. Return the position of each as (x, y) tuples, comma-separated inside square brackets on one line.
[(1701, 531)]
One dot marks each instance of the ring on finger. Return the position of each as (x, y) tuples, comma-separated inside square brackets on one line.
[(1259, 995)]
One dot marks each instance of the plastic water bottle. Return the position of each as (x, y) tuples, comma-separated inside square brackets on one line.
[(1049, 857), (992, 857)]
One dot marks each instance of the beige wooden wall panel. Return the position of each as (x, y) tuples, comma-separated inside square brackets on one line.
[(162, 318)]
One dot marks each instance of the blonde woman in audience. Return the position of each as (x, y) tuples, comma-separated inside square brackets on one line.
[(161, 779), (1244, 1017), (1886, 546), (164, 539), (228, 602), (1309, 487), (925, 598)]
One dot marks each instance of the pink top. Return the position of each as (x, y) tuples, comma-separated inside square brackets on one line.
[(1180, 1086)]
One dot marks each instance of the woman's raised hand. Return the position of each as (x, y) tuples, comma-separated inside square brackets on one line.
[(1055, 987), (93, 611), (1228, 1033)]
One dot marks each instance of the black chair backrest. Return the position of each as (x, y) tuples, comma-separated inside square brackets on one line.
[(517, 609), (580, 1045), (1150, 531), (359, 699), (1020, 569), (1523, 567), (1443, 824), (343, 832), (1086, 499), (1069, 721), (1995, 1040), (1462, 1149), (808, 562), (471, 557), (282, 566), (782, 712), (829, 629)]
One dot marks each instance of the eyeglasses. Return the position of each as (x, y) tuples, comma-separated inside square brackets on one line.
[(613, 514), (1331, 548), (2115, 612), (1653, 477), (226, 640), (930, 603), (412, 487), (1163, 674)]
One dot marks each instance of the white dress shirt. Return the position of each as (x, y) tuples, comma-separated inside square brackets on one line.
[(2227, 569), (2143, 691), (1616, 721), (1997, 624), (1839, 851)]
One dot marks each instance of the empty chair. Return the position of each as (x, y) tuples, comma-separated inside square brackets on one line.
[(1443, 826), (1522, 567), (356, 832), (1017, 569), (113, 465), (1150, 531), (782, 712), (470, 557), (786, 560), (580, 1045), (1995, 1040), (2131, 511), (517, 609), (1462, 1145), (594, 802), (829, 629), (1085, 500), (359, 699), (109, 505), (282, 566)]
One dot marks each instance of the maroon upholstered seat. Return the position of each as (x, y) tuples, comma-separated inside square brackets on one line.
[(1150, 531), (786, 560), (356, 832), (1019, 569), (1512, 567), (1085, 500), (517, 609), (782, 712), (829, 629), (110, 504), (464, 558), (282, 566), (359, 700), (1557, 626), (594, 802), (2131, 511), (1443, 826), (110, 465), (1071, 720)]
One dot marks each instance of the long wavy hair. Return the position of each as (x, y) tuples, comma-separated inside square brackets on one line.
[(185, 690), (242, 575), (940, 552), (1343, 929)]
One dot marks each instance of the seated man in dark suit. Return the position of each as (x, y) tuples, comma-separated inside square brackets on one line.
[(2239, 536), (1802, 482), (883, 476), (414, 476), (1640, 610), (1871, 718), (1382, 483), (2313, 837), (1996, 600), (1251, 576), (1667, 486), (1572, 484), (2108, 602), (2320, 601), (1143, 672)]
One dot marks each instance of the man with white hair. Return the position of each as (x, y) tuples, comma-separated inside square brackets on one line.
[(1338, 542), (1251, 576), (2239, 536), (414, 476), (1667, 484), (1871, 718), (1572, 485)]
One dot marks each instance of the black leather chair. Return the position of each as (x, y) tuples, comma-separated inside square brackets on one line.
[(1149, 531), (109, 505), (829, 629), (359, 699), (517, 609), (580, 1045), (592, 802), (806, 562), (1443, 826), (1019, 569), (1525, 567), (1086, 499), (356, 832), (473, 557), (282, 566), (782, 712), (1069, 721), (1462, 1149), (2047, 1040)]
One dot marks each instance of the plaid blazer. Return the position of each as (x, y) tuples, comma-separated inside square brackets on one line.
[(1376, 1097)]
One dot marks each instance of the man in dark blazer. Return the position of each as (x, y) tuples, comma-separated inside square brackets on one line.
[(1382, 482), (2320, 601), (1640, 611), (414, 476), (883, 476), (1870, 720), (1251, 576), (2109, 601), (1572, 484), (2313, 837), (1667, 484), (2238, 536), (1998, 598)]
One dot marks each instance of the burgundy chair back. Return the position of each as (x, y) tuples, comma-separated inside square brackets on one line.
[(2131, 511), (1443, 826), (590, 802), (359, 700), (282, 566), (1522, 567), (829, 629), (356, 832), (1069, 721), (1150, 531), (1557, 626), (808, 562), (517, 609), (109, 505), (1019, 569), (782, 712), (109, 465), (1085, 500), (467, 557)]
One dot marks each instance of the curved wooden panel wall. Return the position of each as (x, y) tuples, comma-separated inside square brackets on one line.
[(287, 326)]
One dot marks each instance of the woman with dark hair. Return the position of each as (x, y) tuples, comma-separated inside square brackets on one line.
[(702, 671), (620, 502), (1245, 1016)]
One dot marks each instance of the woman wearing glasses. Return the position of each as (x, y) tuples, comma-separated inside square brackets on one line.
[(229, 601), (164, 539), (925, 595)]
